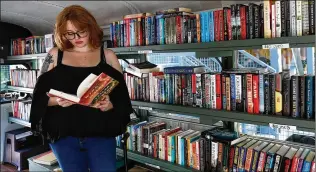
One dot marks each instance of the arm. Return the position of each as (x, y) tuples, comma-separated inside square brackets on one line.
[(112, 60), (49, 63)]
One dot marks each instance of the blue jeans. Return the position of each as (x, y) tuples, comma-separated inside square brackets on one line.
[(81, 154)]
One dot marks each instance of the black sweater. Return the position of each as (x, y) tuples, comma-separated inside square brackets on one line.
[(54, 122)]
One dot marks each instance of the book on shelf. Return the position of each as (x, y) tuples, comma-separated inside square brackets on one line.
[(268, 19), (252, 91), (46, 158), (91, 90), (214, 148)]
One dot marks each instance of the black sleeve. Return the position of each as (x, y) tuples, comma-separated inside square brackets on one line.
[(122, 107), (39, 104)]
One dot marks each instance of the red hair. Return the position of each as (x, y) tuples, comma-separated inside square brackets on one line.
[(81, 19)]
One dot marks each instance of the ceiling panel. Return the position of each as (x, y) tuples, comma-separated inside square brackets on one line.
[(39, 16)]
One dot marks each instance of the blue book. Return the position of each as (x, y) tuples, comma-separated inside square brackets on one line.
[(232, 92), (207, 26), (202, 27), (310, 94), (211, 26), (308, 161), (131, 32)]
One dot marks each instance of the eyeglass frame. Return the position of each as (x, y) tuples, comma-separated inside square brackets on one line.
[(76, 33)]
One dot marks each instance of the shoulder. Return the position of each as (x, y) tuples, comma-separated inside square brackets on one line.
[(112, 60), (50, 60), (53, 54)]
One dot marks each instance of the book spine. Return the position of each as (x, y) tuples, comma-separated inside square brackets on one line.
[(310, 95), (302, 97), (295, 97), (223, 85), (244, 93), (299, 22), (213, 91), (239, 99), (233, 92), (249, 93), (286, 97), (251, 21), (305, 18), (202, 154), (255, 86), (203, 90), (278, 94), (283, 18), (293, 18), (278, 19), (311, 12), (228, 99), (261, 93), (233, 22), (218, 92), (272, 93)]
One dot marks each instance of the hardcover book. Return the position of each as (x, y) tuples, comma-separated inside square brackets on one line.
[(92, 90)]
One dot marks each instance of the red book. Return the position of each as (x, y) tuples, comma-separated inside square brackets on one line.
[(255, 87), (313, 168), (139, 31), (165, 138), (91, 90), (216, 25), (178, 28), (295, 160), (229, 24), (218, 91), (193, 83), (221, 25), (243, 24), (249, 93)]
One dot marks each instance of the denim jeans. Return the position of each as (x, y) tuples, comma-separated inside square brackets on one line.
[(80, 154)]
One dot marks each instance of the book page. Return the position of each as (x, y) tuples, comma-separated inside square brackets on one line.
[(86, 84)]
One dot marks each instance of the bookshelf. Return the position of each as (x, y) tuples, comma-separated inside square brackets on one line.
[(19, 89), (19, 121), (207, 116), (294, 42)]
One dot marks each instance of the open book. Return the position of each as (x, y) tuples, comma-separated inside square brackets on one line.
[(92, 90)]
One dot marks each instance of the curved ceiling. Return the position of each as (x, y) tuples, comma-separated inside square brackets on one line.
[(39, 16)]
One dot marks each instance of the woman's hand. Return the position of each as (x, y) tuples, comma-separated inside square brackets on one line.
[(105, 105), (54, 101), (63, 102)]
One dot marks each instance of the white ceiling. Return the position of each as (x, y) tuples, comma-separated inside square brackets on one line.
[(39, 16)]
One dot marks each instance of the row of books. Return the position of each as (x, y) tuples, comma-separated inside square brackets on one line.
[(32, 45), (24, 77), (21, 109), (244, 90), (270, 19), (216, 149)]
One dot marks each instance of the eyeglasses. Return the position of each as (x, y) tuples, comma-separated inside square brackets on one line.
[(72, 35)]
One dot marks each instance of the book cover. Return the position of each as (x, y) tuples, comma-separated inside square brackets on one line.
[(91, 91)]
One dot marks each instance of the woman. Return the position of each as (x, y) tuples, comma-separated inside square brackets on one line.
[(81, 137)]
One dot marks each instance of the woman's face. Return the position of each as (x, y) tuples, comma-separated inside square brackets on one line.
[(78, 38)]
